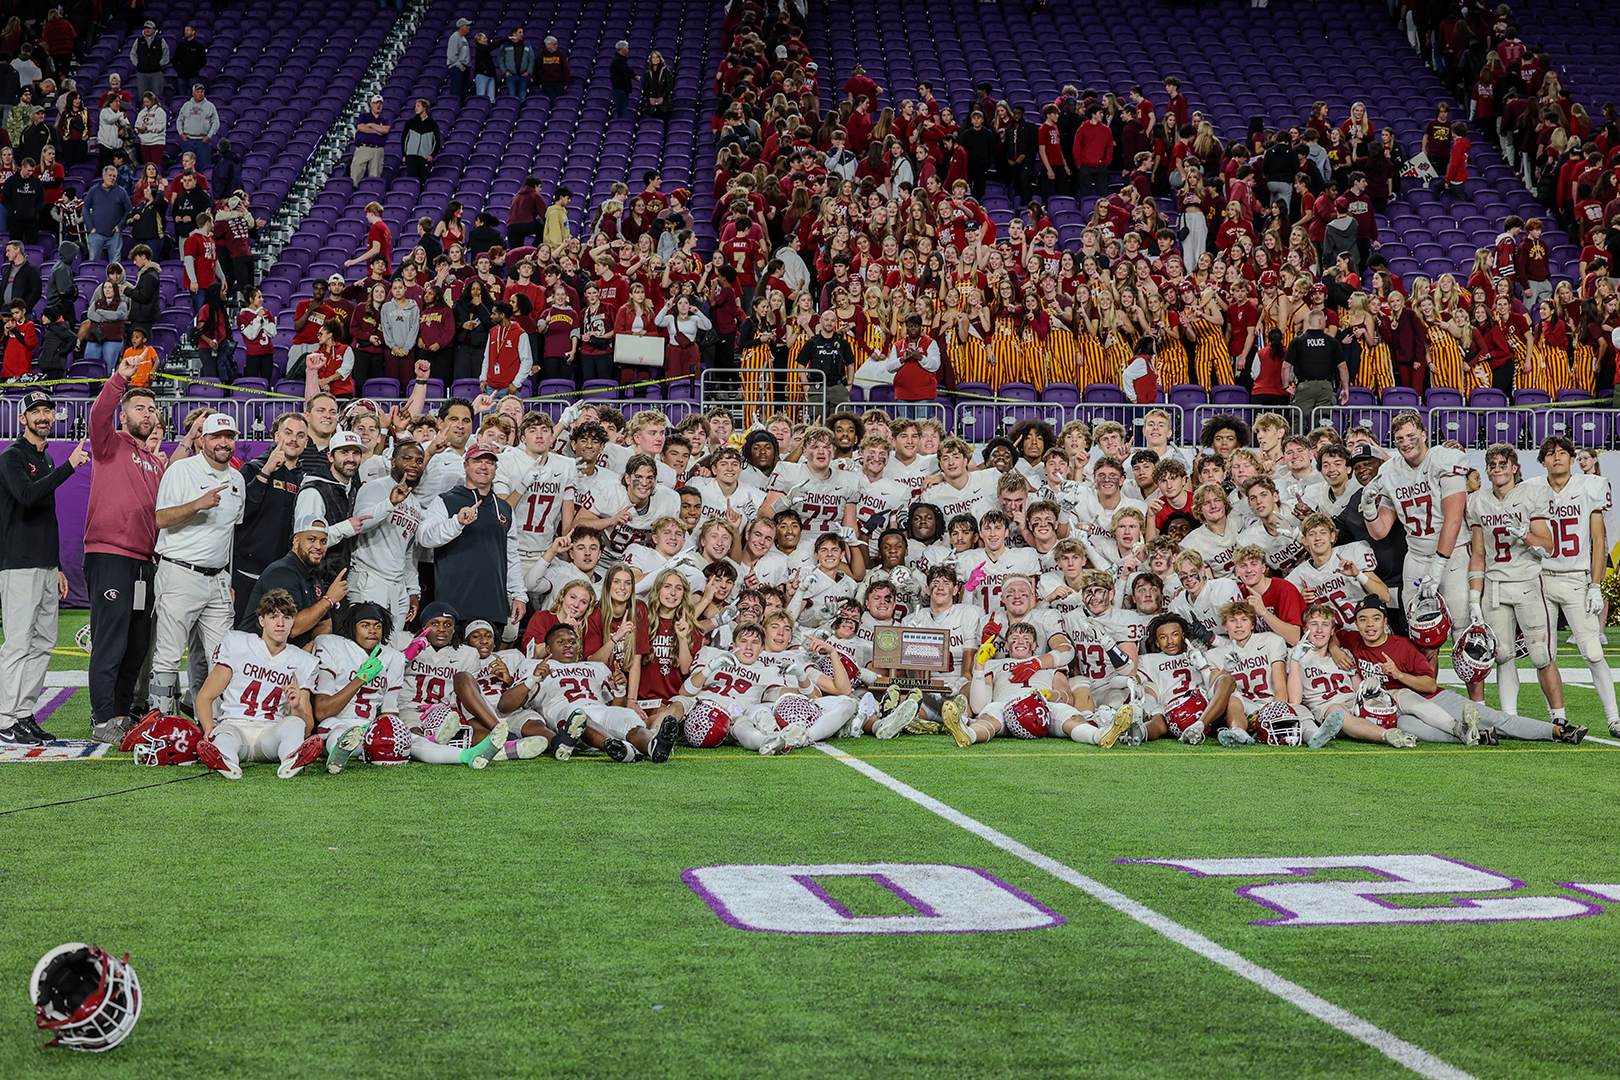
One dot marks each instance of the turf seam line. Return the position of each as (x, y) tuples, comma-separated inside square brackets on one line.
[(102, 795), (1403, 1053)]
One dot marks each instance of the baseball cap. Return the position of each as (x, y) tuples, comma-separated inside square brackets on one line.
[(344, 439), (218, 422), (1365, 452), (811, 66), (463, 22), (1372, 603), (781, 50), (481, 449), (376, 99), (35, 398), (149, 25), (336, 279), (309, 523), (1342, 203)]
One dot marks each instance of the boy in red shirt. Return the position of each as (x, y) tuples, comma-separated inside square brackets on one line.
[(1457, 170)]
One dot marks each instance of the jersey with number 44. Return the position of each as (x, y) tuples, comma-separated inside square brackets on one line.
[(262, 686)]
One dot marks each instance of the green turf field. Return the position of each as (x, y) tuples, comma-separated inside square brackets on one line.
[(533, 920)]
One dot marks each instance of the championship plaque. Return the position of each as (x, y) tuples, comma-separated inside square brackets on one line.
[(912, 648)]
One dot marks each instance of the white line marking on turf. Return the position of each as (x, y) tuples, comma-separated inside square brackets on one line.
[(1398, 1050)]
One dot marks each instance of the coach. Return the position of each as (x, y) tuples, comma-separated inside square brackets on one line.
[(199, 505), (120, 537), (31, 581), (265, 532), (295, 572), (329, 494), (468, 525), (1318, 363)]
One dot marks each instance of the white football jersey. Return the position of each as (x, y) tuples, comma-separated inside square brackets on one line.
[(1569, 516), (262, 687), (921, 468), (1322, 683), (819, 595), (731, 684), (488, 685), (887, 497), (1250, 667), (1050, 583), (1205, 608), (1216, 548), (1283, 551), (430, 679), (1125, 627), (964, 621), (745, 500), (339, 658), (1319, 497), (977, 497), (569, 686), (543, 486), (588, 492), (1002, 687), (987, 595), (1332, 584), (1090, 510), (1168, 679), (617, 539), (1507, 558), (1416, 495), (386, 551), (820, 501)]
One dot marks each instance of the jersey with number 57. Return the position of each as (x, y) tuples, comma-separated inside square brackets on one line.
[(339, 658), (1416, 494), (262, 686), (430, 679), (1569, 516), (1507, 558)]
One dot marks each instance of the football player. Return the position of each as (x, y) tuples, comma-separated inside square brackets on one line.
[(1316, 681), (625, 512), (1202, 596), (1257, 663), (958, 489), (1426, 489), (1336, 576), (965, 623), (1218, 534), (985, 569), (357, 683), (1510, 539), (535, 481), (254, 705), (824, 497), (1274, 533), (384, 569), (880, 502), (722, 688), (724, 495), (1570, 575), (439, 671), (1186, 694), (1016, 691), (1061, 588), (495, 673), (818, 702)]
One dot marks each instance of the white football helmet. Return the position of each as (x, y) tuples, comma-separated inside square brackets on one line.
[(88, 998), (82, 638), (1474, 655)]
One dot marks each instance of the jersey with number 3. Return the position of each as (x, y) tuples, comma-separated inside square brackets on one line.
[(262, 686), (1507, 558), (1416, 495), (1170, 678), (1569, 516), (430, 679), (339, 658)]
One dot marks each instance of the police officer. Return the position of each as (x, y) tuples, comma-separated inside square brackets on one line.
[(31, 581)]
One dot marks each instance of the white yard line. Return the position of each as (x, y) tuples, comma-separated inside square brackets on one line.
[(1403, 1053)]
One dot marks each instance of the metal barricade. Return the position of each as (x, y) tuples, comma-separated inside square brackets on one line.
[(1375, 418), (752, 394), (1479, 428), (979, 421), (1202, 414), (1132, 416)]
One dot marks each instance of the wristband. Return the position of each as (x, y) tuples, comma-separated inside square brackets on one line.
[(1443, 558)]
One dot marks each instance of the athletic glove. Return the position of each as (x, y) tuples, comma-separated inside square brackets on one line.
[(371, 668), (1594, 599), (1299, 652), (1369, 498), (417, 644), (848, 534), (1518, 531), (1476, 615), (1371, 686), (1429, 588), (973, 581), (1023, 671)]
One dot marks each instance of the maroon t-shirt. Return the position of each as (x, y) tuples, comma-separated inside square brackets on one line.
[(1396, 648)]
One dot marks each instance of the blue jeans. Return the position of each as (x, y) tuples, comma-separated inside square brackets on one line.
[(106, 247), (107, 352), (458, 82), (200, 147), (553, 90), (484, 87), (517, 86), (621, 104)]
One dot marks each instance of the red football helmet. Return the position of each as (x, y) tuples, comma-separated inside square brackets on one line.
[(706, 725), (1474, 655), (164, 740), (1277, 724), (823, 664), (1380, 710), (1186, 711), (1029, 717), (795, 708), (138, 732), (88, 998), (439, 715), (387, 742), (1428, 623)]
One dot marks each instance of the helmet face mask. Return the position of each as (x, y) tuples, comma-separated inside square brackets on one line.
[(1474, 655), (89, 999), (1277, 724), (1428, 621)]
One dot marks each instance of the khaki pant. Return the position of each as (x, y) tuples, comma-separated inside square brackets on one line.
[(368, 161)]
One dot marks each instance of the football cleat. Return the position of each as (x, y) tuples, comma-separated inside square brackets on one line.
[(479, 757), (891, 700), (1332, 724), (1399, 739), (1614, 728), (895, 722), (568, 735), (18, 735), (1488, 737), (1231, 736), (1569, 733), (31, 725), (210, 756), (441, 723), (619, 751), (345, 747), (954, 713), (791, 737), (1193, 733), (1118, 725), (526, 748), (1136, 734), (663, 740), (1466, 727), (864, 711), (308, 752)]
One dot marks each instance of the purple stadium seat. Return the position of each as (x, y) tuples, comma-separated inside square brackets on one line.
[(1103, 394), (1400, 397), (381, 388), (435, 389), (464, 388), (1018, 392), (1061, 394), (295, 387), (1228, 395), (1360, 395)]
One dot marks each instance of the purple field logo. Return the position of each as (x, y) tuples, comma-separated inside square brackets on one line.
[(795, 899), (1439, 881)]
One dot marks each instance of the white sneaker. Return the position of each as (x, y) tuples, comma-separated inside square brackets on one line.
[(1193, 734), (897, 719), (345, 747), (1400, 739)]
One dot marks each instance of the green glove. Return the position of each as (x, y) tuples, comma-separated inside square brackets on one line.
[(371, 668)]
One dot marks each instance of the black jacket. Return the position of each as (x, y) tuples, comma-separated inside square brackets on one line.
[(472, 567), (981, 145), (185, 208), (290, 573), (25, 197), (188, 60), (830, 356), (24, 282), (145, 299), (622, 75), (338, 498), (28, 483), (265, 532), (57, 340), (1019, 141)]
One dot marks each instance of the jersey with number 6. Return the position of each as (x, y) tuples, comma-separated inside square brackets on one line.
[(1507, 558), (339, 658), (262, 686), (1569, 516), (1250, 667), (1416, 495), (430, 679)]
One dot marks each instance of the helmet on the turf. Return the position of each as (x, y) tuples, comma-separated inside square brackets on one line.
[(1186, 711), (1029, 717), (82, 638), (705, 725), (438, 716), (1277, 724), (1474, 654), (1428, 622), (88, 998), (387, 742), (166, 740), (1380, 710), (795, 708)]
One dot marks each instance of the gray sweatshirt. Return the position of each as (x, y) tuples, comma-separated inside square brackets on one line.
[(399, 324)]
